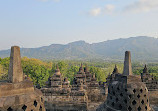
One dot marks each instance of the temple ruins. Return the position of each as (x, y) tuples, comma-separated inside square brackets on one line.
[(151, 84), (18, 93), (126, 92), (121, 92), (84, 94)]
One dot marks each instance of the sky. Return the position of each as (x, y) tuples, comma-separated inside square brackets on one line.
[(35, 23)]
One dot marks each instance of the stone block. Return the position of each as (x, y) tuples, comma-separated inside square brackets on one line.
[(9, 89)]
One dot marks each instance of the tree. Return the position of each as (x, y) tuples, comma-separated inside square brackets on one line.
[(37, 70), (63, 66), (71, 72)]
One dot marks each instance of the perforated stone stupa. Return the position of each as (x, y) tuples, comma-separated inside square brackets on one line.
[(126, 92), (149, 80), (152, 85), (18, 93)]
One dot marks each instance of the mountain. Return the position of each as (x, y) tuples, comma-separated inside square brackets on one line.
[(142, 48)]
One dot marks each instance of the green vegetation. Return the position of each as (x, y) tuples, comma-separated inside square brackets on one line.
[(4, 66), (39, 71)]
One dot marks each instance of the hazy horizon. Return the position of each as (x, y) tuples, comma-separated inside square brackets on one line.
[(77, 41), (35, 23), (74, 41)]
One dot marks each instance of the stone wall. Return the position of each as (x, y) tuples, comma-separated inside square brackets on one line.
[(74, 101)]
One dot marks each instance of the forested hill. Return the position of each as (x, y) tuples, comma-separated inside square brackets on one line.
[(142, 48)]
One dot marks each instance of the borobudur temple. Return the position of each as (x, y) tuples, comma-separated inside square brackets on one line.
[(126, 92), (18, 93)]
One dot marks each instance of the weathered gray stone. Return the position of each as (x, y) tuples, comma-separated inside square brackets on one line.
[(15, 73), (127, 64), (149, 80), (126, 92), (82, 95), (19, 94)]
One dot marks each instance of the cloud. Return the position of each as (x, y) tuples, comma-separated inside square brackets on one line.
[(139, 6), (95, 12), (142, 6), (108, 9)]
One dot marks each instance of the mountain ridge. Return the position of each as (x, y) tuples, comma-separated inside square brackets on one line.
[(141, 47)]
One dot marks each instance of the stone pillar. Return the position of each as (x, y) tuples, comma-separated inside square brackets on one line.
[(127, 64), (15, 73), (115, 71), (81, 68), (145, 70)]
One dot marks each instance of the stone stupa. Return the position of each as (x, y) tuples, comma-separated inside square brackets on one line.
[(18, 93), (126, 92)]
